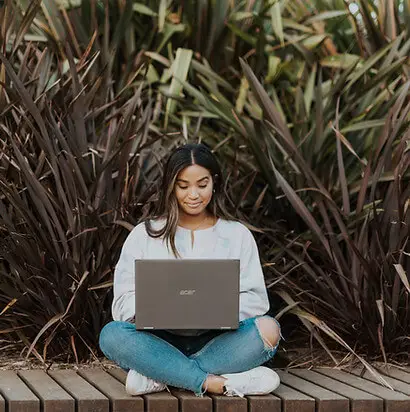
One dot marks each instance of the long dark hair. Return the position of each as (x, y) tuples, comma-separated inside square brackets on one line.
[(167, 205)]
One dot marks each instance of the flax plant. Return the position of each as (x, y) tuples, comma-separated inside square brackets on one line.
[(306, 104), (76, 167)]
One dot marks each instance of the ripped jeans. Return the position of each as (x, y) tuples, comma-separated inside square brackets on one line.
[(186, 361)]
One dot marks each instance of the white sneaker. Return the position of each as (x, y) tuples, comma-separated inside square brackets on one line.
[(137, 384), (257, 381)]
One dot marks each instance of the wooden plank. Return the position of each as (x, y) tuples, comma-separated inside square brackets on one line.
[(393, 401), (154, 402), (2, 404), (118, 374), (88, 399), (293, 400), (223, 403), (18, 397), (113, 390), (188, 401), (360, 401), (53, 397), (160, 402), (263, 403), (400, 374), (326, 400), (396, 384)]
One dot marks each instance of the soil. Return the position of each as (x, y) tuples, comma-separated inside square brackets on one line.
[(17, 362), (13, 359)]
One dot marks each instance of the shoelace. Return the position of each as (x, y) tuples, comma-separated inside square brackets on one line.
[(233, 392), (157, 385)]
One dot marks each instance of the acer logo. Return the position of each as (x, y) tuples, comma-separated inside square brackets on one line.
[(187, 292)]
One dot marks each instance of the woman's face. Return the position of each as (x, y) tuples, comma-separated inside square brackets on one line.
[(193, 189)]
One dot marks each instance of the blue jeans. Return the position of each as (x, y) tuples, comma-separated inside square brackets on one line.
[(185, 361)]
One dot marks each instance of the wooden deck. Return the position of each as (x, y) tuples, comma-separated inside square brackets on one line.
[(301, 390)]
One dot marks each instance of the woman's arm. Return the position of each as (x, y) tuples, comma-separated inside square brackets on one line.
[(253, 299), (123, 306)]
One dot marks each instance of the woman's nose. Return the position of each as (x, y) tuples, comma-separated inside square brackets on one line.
[(193, 193)]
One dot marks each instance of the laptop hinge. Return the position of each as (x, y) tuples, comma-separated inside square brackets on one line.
[(225, 327), (148, 327)]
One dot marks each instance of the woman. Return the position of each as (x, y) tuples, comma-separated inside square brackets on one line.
[(190, 221)]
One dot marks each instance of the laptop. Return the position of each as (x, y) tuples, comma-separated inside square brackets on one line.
[(187, 294)]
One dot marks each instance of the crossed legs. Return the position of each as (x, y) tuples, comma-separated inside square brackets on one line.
[(252, 344), (269, 332)]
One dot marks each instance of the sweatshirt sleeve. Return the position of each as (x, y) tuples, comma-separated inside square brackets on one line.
[(253, 299), (123, 306)]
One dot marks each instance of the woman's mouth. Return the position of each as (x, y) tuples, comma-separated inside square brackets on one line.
[(193, 205)]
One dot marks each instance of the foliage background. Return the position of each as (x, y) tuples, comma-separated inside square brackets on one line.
[(305, 104)]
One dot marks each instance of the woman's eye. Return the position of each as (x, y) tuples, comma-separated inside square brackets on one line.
[(186, 187)]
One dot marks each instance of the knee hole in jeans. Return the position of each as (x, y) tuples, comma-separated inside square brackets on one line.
[(269, 331)]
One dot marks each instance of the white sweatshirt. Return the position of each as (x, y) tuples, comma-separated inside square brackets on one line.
[(225, 240)]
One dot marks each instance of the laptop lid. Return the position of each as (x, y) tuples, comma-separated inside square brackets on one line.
[(187, 294)]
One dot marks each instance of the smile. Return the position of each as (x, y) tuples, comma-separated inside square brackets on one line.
[(193, 205)]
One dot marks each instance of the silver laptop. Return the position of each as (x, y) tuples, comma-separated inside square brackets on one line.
[(187, 294)]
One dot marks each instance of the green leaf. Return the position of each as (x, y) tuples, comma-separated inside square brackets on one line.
[(168, 32), (291, 24), (208, 72), (68, 4), (252, 40), (367, 65), (143, 9), (159, 58), (313, 41), (276, 18), (219, 16), (273, 68), (152, 75), (340, 61), (202, 113), (241, 15), (310, 86), (242, 95), (403, 277), (327, 15), (179, 70), (367, 124), (278, 105), (161, 15)]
